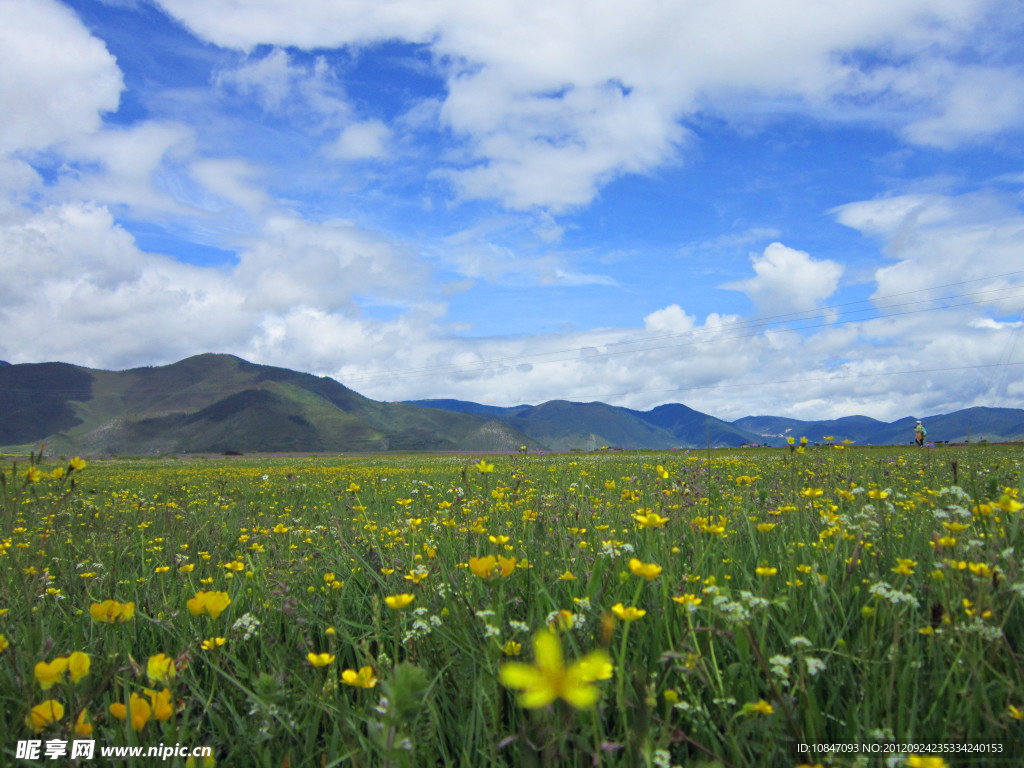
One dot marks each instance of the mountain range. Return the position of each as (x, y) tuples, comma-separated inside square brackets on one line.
[(220, 403)]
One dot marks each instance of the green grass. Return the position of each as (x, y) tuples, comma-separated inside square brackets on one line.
[(885, 609)]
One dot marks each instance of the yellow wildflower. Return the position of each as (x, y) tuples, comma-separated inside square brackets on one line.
[(759, 707), (628, 613), (398, 602), (83, 728), (110, 611), (362, 679), (48, 673), (650, 520), (140, 711), (43, 715), (210, 603), (648, 571), (78, 665), (161, 669), (548, 678), (319, 659)]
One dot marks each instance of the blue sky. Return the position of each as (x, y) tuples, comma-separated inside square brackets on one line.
[(751, 207)]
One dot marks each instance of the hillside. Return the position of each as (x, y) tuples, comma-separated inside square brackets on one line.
[(217, 403), (562, 425)]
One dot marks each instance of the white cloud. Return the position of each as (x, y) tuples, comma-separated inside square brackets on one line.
[(56, 80), (937, 240), (787, 280), (361, 141), (553, 100), (234, 181), (132, 166), (324, 266)]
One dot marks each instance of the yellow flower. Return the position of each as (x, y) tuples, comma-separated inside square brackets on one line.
[(917, 761), (119, 710), (648, 571), (650, 520), (319, 659), (207, 761), (43, 715), (34, 475), (662, 472), (630, 613), (548, 678), (110, 611), (210, 603), (483, 467), (48, 673), (490, 566), (235, 565), (905, 566), (512, 648), (78, 463), (160, 703), (160, 668), (3, 643), (766, 571), (187, 568), (688, 601), (1015, 713), (213, 642), (567, 576), (83, 728), (140, 711), (78, 665), (760, 707), (352, 488), (398, 602), (362, 679)]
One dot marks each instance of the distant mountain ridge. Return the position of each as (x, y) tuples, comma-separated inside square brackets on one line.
[(217, 403), (678, 426)]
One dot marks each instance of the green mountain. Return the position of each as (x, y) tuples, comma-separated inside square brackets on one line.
[(217, 403), (775, 429), (562, 425), (974, 424)]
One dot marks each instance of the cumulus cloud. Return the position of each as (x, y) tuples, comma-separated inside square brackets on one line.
[(361, 141), (551, 101), (937, 240), (56, 79), (787, 280)]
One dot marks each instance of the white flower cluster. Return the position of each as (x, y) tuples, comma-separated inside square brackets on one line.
[(814, 666), (422, 625), (978, 627), (615, 548), (247, 624), (780, 667), (894, 596)]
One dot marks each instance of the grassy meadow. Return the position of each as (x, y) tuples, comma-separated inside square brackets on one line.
[(700, 608)]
